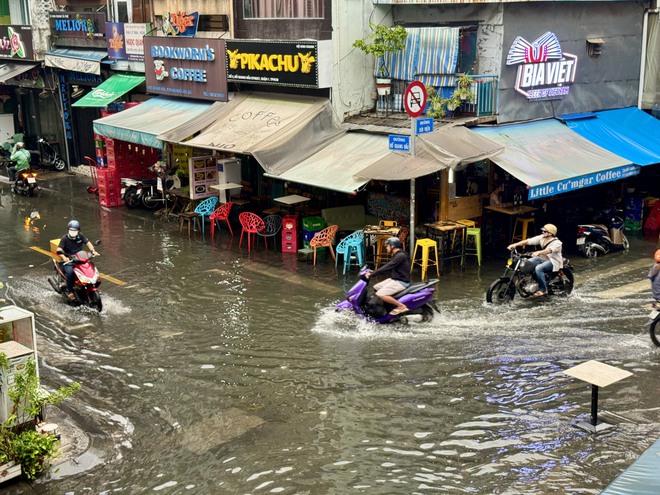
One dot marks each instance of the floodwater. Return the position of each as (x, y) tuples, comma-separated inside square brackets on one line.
[(215, 371)]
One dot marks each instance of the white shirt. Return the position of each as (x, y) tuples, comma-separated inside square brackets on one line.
[(555, 247)]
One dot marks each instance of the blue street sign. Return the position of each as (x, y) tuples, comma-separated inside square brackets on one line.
[(424, 126), (399, 143)]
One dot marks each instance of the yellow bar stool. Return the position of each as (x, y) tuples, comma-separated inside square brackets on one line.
[(426, 246), (524, 224), (473, 234)]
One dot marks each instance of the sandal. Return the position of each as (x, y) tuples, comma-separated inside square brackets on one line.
[(398, 311), (539, 293)]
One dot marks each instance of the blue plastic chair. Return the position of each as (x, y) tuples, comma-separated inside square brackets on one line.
[(353, 244), (206, 207)]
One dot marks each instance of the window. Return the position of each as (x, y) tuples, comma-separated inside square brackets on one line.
[(123, 11), (283, 9)]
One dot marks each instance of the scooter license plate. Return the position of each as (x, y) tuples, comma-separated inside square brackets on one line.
[(32, 180), (581, 240), (654, 314)]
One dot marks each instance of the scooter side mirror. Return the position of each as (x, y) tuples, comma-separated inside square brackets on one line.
[(97, 242)]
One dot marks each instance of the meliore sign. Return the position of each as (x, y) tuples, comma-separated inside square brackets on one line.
[(545, 72)]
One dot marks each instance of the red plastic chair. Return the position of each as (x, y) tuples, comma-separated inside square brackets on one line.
[(324, 238), (221, 213), (251, 224)]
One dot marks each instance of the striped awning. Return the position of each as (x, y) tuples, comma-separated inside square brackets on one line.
[(430, 56)]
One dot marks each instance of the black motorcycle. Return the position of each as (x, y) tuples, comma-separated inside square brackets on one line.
[(518, 278), (654, 323), (602, 236), (46, 157), (26, 182)]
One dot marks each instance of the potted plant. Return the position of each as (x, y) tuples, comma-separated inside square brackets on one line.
[(22, 447), (463, 90), (384, 39)]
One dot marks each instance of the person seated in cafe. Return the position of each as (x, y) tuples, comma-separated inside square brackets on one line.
[(399, 269), (496, 195)]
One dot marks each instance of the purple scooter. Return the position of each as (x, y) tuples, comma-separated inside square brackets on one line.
[(418, 297)]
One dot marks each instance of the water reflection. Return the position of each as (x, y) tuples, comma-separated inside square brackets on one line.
[(215, 371)]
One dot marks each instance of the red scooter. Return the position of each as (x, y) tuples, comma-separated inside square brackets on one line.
[(86, 285)]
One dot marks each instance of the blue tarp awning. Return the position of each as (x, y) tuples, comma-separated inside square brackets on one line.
[(142, 123), (627, 132), (552, 159)]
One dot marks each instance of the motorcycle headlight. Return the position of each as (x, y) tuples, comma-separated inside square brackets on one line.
[(509, 262)]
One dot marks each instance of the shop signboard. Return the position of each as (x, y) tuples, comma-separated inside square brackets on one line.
[(16, 43), (78, 29), (125, 40), (203, 172), (300, 64), (186, 67), (180, 23), (575, 183), (545, 72)]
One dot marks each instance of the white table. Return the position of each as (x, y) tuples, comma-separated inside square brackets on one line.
[(225, 187), (292, 199)]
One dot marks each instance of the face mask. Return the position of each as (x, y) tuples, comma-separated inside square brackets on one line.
[(73, 233)]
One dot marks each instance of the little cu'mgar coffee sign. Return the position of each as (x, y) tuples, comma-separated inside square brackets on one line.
[(186, 67)]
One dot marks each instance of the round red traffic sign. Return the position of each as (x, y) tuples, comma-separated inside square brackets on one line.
[(414, 99)]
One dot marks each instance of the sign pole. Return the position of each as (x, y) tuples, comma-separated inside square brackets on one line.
[(413, 138), (414, 101)]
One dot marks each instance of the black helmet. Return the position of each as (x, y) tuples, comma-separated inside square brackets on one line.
[(394, 242), (74, 225)]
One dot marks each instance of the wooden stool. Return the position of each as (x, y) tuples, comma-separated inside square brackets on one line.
[(473, 233), (524, 223), (426, 245), (191, 218)]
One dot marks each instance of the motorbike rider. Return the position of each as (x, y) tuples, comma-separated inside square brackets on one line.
[(21, 157), (654, 275), (70, 244), (547, 259), (399, 268)]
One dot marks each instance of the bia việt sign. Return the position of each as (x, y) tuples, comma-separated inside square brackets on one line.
[(545, 72)]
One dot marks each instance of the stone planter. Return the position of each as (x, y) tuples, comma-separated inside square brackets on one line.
[(9, 470)]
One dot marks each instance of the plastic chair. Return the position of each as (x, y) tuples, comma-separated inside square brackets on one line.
[(427, 245), (272, 227), (352, 244), (404, 232), (324, 238), (221, 213), (251, 224), (206, 208), (473, 233)]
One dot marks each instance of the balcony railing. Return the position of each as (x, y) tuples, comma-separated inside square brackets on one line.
[(484, 103)]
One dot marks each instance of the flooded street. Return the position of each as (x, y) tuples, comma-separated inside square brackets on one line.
[(211, 371)]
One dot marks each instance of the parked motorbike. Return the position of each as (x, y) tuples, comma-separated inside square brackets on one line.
[(518, 278), (597, 239), (26, 182), (87, 280), (654, 323), (418, 297), (47, 157)]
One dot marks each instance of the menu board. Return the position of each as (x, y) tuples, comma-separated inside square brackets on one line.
[(203, 174)]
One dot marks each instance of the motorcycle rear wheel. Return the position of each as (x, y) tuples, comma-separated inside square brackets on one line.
[(151, 201), (563, 285), (500, 292), (590, 250), (427, 313), (95, 301), (655, 330), (59, 164), (131, 198)]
